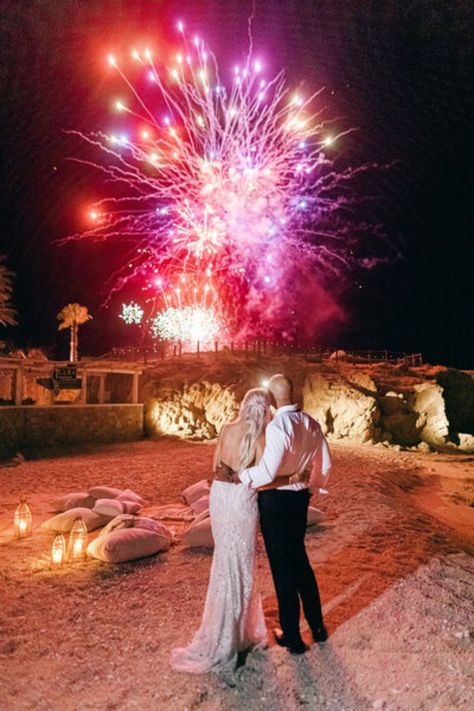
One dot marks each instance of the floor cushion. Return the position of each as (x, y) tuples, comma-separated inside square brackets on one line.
[(151, 524), (63, 522), (202, 516), (144, 522), (127, 544), (73, 501), (104, 492), (201, 504), (199, 535), (122, 521), (129, 495), (196, 491), (115, 507), (314, 517)]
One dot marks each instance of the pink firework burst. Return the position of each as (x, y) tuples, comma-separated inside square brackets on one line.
[(224, 176)]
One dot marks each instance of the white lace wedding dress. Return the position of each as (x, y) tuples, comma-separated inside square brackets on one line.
[(233, 616)]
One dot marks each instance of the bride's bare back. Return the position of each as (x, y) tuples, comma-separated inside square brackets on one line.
[(228, 445)]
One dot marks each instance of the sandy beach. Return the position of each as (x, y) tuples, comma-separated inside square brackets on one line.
[(393, 559)]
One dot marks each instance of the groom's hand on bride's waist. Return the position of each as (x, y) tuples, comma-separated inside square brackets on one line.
[(224, 473)]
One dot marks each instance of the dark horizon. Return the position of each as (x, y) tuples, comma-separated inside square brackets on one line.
[(402, 76)]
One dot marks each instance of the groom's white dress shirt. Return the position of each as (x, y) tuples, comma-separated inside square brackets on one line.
[(293, 442)]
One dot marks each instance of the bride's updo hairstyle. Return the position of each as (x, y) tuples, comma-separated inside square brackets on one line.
[(253, 409)]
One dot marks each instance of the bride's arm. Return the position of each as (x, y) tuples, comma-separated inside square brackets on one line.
[(217, 452)]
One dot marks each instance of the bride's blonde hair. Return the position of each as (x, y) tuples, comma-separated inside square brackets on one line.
[(253, 409)]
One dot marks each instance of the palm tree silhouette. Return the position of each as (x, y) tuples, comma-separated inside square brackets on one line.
[(72, 316), (7, 313)]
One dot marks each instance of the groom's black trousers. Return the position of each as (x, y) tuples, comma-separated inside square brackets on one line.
[(283, 522)]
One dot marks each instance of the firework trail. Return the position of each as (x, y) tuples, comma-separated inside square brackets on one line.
[(227, 195)]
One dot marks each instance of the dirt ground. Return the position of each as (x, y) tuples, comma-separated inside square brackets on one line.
[(393, 560)]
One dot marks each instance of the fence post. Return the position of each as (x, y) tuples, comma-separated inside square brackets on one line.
[(18, 386), (101, 388), (197, 348), (135, 389), (83, 395), (180, 349)]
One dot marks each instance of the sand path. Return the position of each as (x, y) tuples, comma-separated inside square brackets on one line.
[(393, 561)]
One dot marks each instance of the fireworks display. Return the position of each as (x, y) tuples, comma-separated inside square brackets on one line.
[(225, 192), (189, 325), (132, 313)]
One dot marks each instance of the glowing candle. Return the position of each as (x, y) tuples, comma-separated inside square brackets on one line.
[(22, 519), (77, 540), (58, 549)]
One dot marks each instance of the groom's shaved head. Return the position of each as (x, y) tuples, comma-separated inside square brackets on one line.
[(281, 388)]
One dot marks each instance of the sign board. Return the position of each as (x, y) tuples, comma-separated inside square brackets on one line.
[(66, 378), (67, 373)]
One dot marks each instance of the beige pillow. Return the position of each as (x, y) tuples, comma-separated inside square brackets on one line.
[(151, 524), (199, 535), (73, 501), (127, 544), (122, 521), (129, 521), (201, 504), (114, 507), (314, 516), (63, 522), (196, 491), (104, 492), (202, 516), (129, 495)]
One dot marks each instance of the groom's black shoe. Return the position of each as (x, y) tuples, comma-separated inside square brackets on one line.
[(294, 647), (320, 634)]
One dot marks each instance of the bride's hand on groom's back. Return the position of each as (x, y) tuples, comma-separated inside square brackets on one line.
[(301, 477)]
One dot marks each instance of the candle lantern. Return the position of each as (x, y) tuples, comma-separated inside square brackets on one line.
[(77, 541), (58, 550), (22, 520)]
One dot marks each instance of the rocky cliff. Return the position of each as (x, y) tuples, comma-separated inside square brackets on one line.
[(425, 407)]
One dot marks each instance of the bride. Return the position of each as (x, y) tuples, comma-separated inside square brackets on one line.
[(233, 618)]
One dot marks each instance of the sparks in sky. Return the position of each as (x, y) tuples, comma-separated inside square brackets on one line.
[(132, 313), (226, 178), (190, 325)]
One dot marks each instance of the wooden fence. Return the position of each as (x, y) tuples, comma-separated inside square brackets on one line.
[(264, 347)]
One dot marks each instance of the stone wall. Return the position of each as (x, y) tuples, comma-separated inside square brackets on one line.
[(394, 408), (68, 424), (429, 407), (195, 411)]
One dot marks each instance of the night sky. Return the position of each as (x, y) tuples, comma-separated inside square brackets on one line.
[(401, 72)]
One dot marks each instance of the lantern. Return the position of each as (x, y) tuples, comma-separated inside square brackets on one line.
[(22, 519), (58, 550), (77, 541)]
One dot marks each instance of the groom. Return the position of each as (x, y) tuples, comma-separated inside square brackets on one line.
[(294, 443)]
